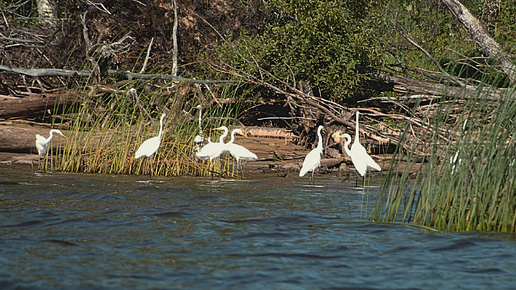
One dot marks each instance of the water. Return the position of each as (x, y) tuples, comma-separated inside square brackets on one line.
[(61, 230)]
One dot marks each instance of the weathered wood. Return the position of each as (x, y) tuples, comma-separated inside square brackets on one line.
[(34, 104), (126, 75), (412, 86), (477, 31), (22, 139)]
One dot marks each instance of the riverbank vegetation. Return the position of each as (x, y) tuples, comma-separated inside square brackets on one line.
[(468, 178), (435, 87)]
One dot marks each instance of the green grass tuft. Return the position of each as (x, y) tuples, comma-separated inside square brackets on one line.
[(468, 178)]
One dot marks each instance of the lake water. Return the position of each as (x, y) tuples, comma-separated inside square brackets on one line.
[(60, 230)]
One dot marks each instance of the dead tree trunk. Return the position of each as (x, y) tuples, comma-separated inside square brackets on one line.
[(34, 104), (22, 139), (488, 45)]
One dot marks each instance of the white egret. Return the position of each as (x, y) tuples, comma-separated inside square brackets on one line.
[(150, 146), (199, 139), (213, 150), (455, 161), (361, 160), (42, 143), (239, 152), (313, 159)]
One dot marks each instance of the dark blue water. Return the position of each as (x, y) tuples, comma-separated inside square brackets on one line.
[(62, 230)]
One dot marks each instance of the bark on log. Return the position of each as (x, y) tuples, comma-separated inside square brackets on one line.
[(22, 139), (412, 86), (126, 75), (488, 45), (34, 104)]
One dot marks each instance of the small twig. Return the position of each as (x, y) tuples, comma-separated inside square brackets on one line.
[(85, 34), (147, 56), (99, 6)]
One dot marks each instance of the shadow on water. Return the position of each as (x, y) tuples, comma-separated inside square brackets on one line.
[(62, 230)]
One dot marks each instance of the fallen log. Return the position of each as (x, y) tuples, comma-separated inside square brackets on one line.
[(22, 139), (413, 86), (125, 75), (34, 104)]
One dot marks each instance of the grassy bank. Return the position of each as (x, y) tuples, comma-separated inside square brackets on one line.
[(106, 133), (468, 179)]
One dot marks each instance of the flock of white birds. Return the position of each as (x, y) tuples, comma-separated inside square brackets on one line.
[(213, 150)]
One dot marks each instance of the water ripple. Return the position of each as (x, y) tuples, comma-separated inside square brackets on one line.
[(61, 230)]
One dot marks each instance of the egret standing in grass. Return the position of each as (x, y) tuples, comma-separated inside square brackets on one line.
[(199, 139), (313, 159), (150, 146), (361, 160), (213, 150), (42, 143), (239, 152)]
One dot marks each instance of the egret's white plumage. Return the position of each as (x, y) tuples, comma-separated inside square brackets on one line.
[(199, 139), (313, 159), (213, 150), (239, 152), (150, 146), (361, 160), (42, 143)]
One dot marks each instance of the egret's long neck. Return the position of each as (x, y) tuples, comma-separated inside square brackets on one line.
[(51, 135), (319, 144), (357, 130), (232, 137), (221, 140), (160, 128), (346, 145), (200, 117)]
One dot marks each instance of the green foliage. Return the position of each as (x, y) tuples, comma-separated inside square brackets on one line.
[(430, 24), (23, 12), (468, 181), (330, 44)]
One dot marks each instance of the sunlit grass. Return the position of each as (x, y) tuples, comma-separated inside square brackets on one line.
[(467, 180), (106, 134)]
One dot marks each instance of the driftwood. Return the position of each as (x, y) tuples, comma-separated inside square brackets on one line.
[(34, 104), (477, 31), (411, 86), (22, 139), (124, 75)]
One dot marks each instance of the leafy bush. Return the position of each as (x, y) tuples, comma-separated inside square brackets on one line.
[(332, 45)]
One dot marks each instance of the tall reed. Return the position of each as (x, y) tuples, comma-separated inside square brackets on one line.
[(468, 178), (106, 133)]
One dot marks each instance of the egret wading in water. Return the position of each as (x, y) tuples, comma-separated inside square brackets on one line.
[(199, 139), (313, 159), (42, 143), (361, 160), (239, 152), (150, 146)]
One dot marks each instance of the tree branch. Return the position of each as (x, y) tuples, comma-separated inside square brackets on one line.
[(488, 45)]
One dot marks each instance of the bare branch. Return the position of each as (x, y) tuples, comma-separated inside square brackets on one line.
[(488, 45), (147, 56), (174, 39)]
